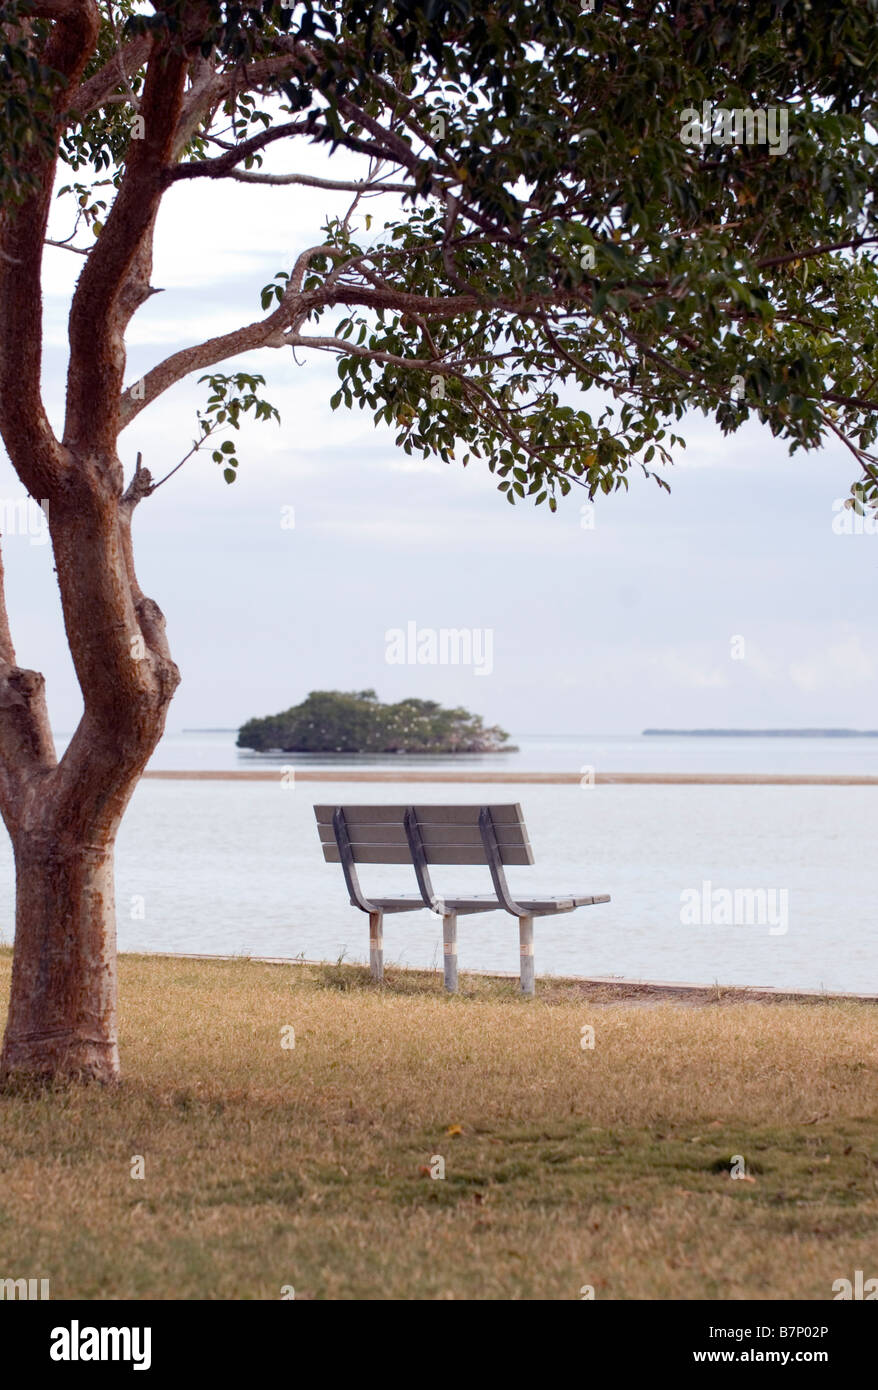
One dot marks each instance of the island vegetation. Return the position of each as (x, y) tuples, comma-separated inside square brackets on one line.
[(334, 721)]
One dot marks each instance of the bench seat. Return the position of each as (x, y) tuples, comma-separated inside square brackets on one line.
[(487, 902)]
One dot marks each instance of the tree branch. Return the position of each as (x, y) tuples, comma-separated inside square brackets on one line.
[(65, 246), (863, 459), (853, 244), (96, 91), (221, 166), (310, 181), (24, 425), (858, 401), (100, 313), (26, 742)]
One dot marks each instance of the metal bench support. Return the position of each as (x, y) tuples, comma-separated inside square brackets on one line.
[(506, 901), (526, 948), (376, 945), (449, 948)]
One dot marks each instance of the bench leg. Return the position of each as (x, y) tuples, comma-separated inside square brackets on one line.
[(449, 946), (526, 939), (376, 945)]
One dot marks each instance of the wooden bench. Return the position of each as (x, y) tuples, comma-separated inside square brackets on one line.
[(426, 835)]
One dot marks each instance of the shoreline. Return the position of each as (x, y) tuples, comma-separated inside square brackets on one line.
[(570, 779), (600, 988)]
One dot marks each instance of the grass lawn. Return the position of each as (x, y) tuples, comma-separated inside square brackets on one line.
[(310, 1166)]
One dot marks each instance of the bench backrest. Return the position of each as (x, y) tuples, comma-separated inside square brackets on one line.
[(449, 834)]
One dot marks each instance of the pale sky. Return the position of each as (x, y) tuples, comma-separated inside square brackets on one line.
[(607, 629)]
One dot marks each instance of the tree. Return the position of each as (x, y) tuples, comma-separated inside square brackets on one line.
[(331, 721), (572, 214)]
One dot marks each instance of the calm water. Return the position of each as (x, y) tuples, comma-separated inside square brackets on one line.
[(562, 753), (236, 867)]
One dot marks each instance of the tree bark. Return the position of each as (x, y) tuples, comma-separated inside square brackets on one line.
[(62, 1013)]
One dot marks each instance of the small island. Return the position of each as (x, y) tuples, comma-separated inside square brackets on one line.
[(334, 721)]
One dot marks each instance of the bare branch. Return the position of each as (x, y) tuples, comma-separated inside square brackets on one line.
[(853, 244), (309, 181), (65, 246), (223, 164)]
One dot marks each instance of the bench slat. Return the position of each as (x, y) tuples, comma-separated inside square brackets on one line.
[(368, 834), (508, 814), (433, 836), (449, 854)]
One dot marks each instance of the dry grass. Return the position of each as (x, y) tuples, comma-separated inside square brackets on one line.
[(268, 1167)]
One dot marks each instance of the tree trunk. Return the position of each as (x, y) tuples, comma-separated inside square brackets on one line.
[(62, 1012), (63, 817)]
